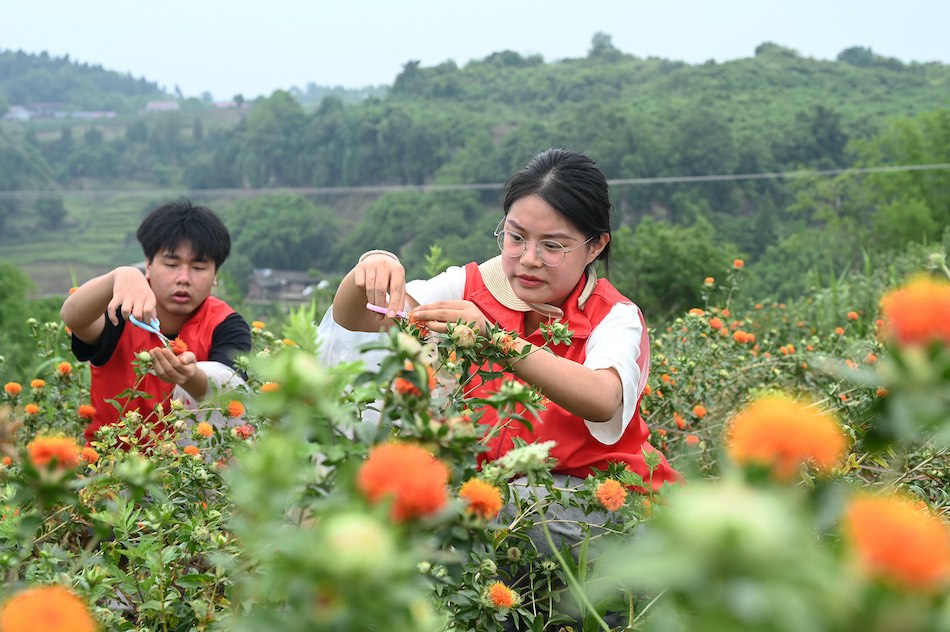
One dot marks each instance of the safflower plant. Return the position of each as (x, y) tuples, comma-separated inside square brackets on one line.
[(343, 498)]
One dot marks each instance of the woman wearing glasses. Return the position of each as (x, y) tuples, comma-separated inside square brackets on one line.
[(556, 226)]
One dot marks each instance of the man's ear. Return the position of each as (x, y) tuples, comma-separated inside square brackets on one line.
[(148, 269), (215, 282)]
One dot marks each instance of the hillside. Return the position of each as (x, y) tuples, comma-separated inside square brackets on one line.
[(61, 83), (646, 119)]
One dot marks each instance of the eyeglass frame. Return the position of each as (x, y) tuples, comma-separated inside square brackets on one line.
[(499, 232)]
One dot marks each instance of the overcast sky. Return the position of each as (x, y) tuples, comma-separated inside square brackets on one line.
[(255, 47)]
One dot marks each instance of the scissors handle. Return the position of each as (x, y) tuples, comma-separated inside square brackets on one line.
[(384, 311)]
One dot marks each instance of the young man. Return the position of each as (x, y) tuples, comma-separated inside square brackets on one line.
[(184, 247)]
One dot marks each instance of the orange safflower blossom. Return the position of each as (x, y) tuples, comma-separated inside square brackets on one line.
[(898, 541), (270, 387), (405, 387), (679, 421), (501, 596), (258, 324), (86, 411), (611, 494), (204, 429), (699, 410), (178, 346), (12, 388), (192, 450), (46, 609), (483, 498), (409, 475), (44, 450), (715, 322), (692, 440), (916, 314), (738, 264), (235, 409), (743, 337), (31, 409), (852, 315), (89, 455), (243, 432), (785, 434), (37, 383), (709, 281), (64, 368)]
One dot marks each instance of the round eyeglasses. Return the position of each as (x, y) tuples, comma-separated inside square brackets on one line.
[(551, 253)]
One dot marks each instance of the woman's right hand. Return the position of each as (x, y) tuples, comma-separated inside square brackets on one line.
[(378, 275)]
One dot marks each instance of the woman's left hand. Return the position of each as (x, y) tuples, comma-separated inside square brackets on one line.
[(436, 316)]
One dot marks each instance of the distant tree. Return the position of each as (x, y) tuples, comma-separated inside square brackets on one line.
[(602, 48), (282, 232), (238, 100), (137, 131), (661, 266), (51, 211), (197, 130), (857, 56), (271, 150), (408, 81)]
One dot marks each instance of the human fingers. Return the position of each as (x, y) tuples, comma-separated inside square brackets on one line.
[(114, 305), (397, 291), (377, 285), (168, 366)]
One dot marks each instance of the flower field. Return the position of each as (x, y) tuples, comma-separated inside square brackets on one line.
[(813, 438)]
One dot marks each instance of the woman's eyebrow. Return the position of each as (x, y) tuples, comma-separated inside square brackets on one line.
[(547, 236)]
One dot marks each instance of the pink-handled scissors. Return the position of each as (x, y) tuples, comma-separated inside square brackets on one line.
[(384, 311)]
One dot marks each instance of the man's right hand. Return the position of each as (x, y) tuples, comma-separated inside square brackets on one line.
[(131, 294)]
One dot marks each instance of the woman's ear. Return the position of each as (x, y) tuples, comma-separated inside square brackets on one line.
[(597, 246)]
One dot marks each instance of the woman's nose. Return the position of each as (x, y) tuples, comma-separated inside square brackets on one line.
[(531, 255)]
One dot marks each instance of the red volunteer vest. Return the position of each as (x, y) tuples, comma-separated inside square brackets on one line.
[(576, 450), (117, 374)]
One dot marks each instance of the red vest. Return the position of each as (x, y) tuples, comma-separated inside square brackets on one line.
[(576, 450), (117, 374)]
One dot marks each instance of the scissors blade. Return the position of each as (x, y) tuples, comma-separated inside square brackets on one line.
[(153, 326)]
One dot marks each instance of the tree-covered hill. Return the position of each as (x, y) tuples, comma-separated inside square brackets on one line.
[(27, 78)]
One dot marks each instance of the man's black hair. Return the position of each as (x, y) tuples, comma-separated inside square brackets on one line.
[(181, 222)]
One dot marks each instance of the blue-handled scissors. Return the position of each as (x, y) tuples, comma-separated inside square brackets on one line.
[(153, 326)]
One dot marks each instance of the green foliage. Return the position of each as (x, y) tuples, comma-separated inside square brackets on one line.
[(284, 232), (51, 211), (410, 223), (19, 324), (270, 526), (26, 78), (641, 264)]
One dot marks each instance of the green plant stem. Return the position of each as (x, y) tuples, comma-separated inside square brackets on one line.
[(572, 582)]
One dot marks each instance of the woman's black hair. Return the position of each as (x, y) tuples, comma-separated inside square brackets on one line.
[(573, 185), (170, 225)]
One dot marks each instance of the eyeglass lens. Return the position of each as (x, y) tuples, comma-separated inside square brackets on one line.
[(550, 252)]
